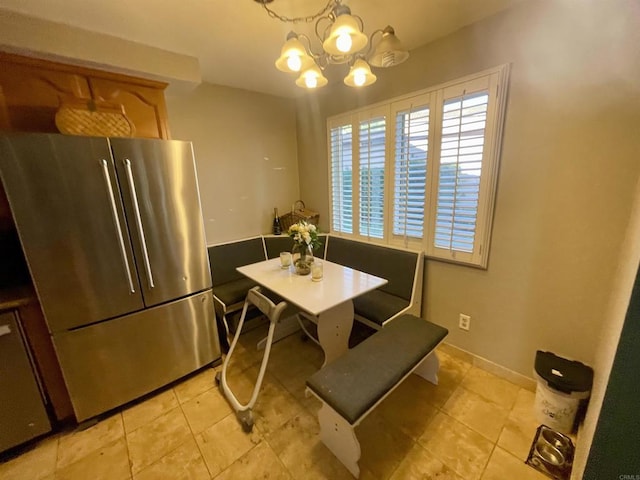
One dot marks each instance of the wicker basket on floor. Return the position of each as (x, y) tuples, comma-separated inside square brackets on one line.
[(298, 213)]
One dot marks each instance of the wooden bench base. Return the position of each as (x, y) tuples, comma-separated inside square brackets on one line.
[(339, 435), (352, 386)]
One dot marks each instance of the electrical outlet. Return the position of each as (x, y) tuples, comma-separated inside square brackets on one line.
[(464, 322)]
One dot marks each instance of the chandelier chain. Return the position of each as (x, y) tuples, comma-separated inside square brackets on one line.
[(307, 19)]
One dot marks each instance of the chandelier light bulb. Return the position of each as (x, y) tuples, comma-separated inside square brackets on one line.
[(311, 81), (344, 42), (294, 62), (293, 57), (344, 25), (360, 74), (312, 78)]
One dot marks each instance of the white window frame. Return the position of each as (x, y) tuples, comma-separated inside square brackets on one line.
[(495, 82)]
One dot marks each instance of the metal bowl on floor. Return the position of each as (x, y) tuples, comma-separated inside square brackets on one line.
[(557, 440), (550, 454)]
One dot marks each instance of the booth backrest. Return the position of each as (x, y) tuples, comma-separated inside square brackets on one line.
[(226, 257), (397, 266), (275, 245)]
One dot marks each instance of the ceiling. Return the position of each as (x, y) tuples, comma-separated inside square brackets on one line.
[(236, 42)]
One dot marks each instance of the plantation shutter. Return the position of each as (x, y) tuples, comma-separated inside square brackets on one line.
[(410, 172), (341, 178), (430, 182), (464, 121), (372, 134)]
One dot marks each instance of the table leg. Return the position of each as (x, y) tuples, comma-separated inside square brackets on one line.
[(334, 328)]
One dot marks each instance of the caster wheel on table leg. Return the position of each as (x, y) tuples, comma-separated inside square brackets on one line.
[(246, 420)]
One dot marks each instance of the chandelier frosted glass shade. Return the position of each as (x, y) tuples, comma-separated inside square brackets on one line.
[(345, 36), (293, 56), (360, 75), (312, 78), (389, 52)]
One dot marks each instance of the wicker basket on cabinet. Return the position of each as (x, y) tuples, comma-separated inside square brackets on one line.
[(298, 213)]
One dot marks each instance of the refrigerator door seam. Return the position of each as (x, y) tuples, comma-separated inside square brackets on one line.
[(136, 210), (116, 221)]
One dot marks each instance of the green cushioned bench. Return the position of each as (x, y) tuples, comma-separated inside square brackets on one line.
[(403, 269), (229, 286), (354, 384)]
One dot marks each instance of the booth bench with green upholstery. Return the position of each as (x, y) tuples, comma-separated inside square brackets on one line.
[(229, 286), (403, 270), (354, 384)]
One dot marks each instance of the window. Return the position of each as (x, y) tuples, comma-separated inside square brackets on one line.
[(425, 169)]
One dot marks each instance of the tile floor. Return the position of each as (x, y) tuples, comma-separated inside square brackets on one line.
[(472, 426)]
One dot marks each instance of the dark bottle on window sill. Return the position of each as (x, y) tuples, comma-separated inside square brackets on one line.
[(277, 229)]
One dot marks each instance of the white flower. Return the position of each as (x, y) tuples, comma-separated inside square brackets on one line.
[(304, 233)]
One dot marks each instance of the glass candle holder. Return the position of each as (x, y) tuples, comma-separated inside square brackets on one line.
[(316, 271), (285, 259)]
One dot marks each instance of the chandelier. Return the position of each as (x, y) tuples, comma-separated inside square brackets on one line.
[(343, 42)]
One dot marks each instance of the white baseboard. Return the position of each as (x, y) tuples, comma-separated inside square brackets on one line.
[(491, 367)]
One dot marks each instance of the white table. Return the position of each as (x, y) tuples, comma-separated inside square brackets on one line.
[(329, 300)]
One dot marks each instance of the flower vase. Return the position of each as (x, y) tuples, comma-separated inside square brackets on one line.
[(302, 258)]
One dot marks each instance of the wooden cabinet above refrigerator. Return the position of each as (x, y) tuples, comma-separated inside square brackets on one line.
[(32, 91)]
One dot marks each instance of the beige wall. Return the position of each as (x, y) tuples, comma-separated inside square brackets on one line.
[(614, 319), (55, 41), (246, 156), (568, 170)]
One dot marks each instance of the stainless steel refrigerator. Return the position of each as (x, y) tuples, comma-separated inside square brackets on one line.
[(113, 236)]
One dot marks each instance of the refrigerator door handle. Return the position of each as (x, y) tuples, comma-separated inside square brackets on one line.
[(136, 211), (116, 221)]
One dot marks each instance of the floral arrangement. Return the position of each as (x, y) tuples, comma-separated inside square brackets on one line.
[(304, 233)]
